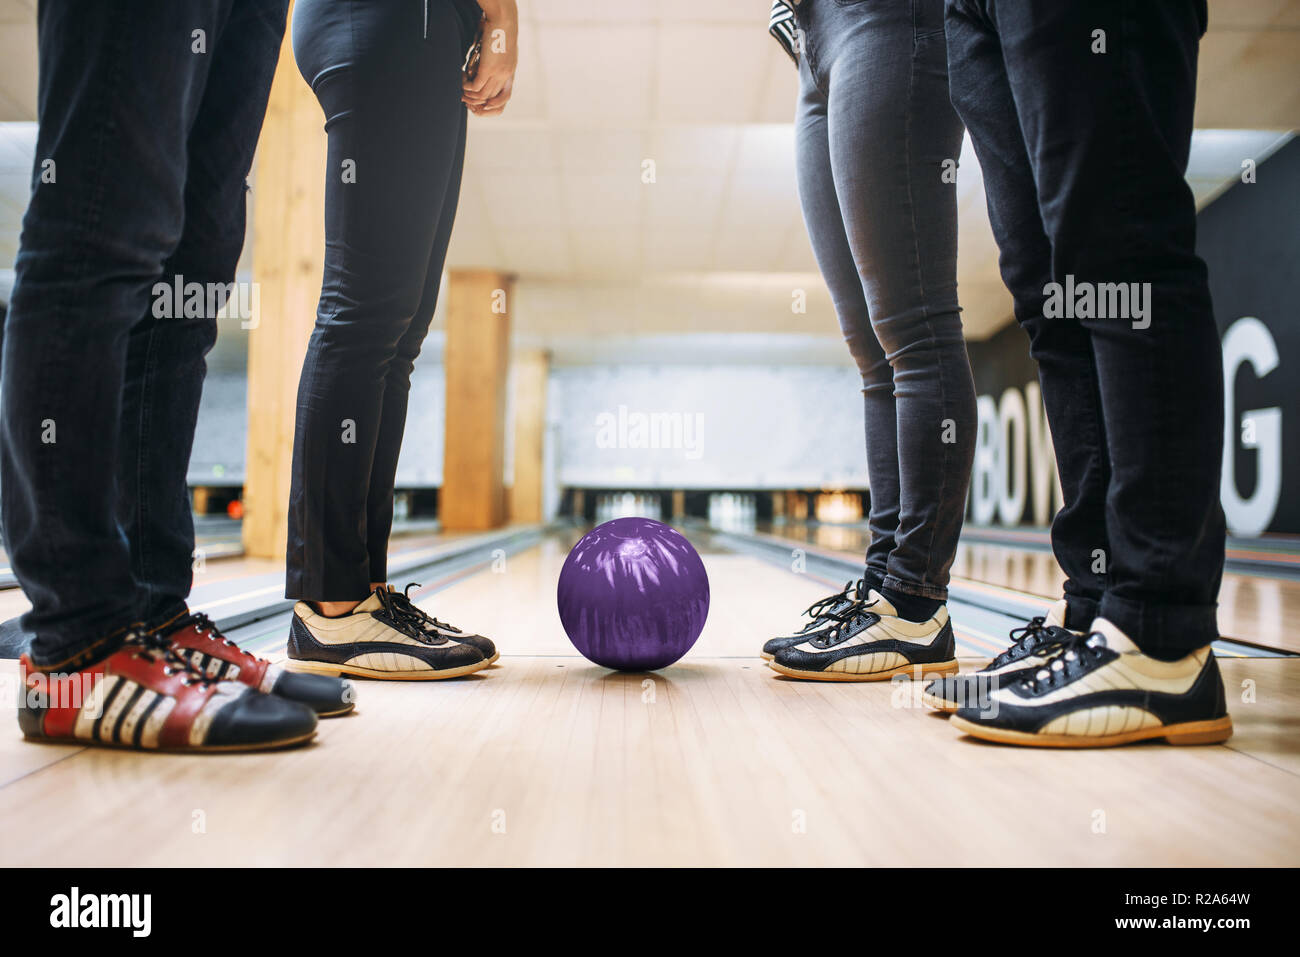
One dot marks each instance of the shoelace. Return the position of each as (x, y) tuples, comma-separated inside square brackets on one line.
[(1035, 635), (402, 600), (819, 608), (152, 646), (205, 625), (396, 615), (1076, 651), (845, 616)]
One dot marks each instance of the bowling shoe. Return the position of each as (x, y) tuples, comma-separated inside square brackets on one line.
[(817, 612), (868, 642), (147, 695), (422, 619), (377, 639), (216, 656), (1031, 645), (1099, 690)]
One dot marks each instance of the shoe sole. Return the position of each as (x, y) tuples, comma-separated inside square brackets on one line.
[(765, 656), (336, 714), (937, 703), (325, 668), (201, 749), (1214, 731), (918, 672)]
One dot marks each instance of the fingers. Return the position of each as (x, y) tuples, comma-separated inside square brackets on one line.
[(487, 82), (484, 88), (493, 107), (490, 92), (478, 99), (496, 104)]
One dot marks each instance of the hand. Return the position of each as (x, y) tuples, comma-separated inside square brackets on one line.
[(490, 90)]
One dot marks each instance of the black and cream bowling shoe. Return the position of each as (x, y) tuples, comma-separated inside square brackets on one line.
[(1031, 646), (817, 614), (869, 642), (432, 626), (1099, 690), (377, 639)]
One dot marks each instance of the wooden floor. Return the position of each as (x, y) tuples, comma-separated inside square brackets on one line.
[(546, 759)]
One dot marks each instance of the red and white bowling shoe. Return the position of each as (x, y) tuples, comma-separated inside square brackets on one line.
[(145, 695), (213, 654)]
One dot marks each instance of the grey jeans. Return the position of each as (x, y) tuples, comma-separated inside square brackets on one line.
[(874, 136)]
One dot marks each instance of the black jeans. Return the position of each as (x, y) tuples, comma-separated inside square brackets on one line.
[(390, 90), (873, 130), (1084, 154), (147, 133)]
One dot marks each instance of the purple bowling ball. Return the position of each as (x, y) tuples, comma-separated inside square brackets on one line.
[(633, 595)]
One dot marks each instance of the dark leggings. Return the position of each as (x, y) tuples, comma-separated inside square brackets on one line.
[(388, 77), (873, 133)]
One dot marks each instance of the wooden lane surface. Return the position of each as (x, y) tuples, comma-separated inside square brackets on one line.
[(546, 759)]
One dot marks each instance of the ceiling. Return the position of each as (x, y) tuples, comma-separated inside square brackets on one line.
[(553, 189)]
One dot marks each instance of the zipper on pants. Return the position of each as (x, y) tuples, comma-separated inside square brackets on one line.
[(426, 19)]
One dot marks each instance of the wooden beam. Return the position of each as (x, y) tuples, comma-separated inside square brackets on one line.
[(531, 374), (477, 359), (288, 260)]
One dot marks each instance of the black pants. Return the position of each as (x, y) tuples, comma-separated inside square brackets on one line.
[(147, 132), (1084, 149), (390, 87)]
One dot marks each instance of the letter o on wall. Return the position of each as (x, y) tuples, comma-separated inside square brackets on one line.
[(1014, 465)]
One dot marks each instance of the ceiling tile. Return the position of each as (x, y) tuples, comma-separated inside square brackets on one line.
[(521, 199), (603, 199), (697, 85)]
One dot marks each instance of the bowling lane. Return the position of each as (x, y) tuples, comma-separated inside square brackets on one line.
[(1257, 603), (755, 595), (547, 759), (511, 598)]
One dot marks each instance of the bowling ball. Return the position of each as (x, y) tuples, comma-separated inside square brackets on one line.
[(633, 595)]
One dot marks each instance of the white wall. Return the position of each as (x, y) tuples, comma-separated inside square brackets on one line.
[(740, 426)]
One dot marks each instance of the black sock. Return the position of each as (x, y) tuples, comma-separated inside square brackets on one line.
[(911, 607), (873, 579)]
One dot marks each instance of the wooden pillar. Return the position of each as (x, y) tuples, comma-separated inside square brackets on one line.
[(477, 360), (531, 374), (679, 503), (288, 258)]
